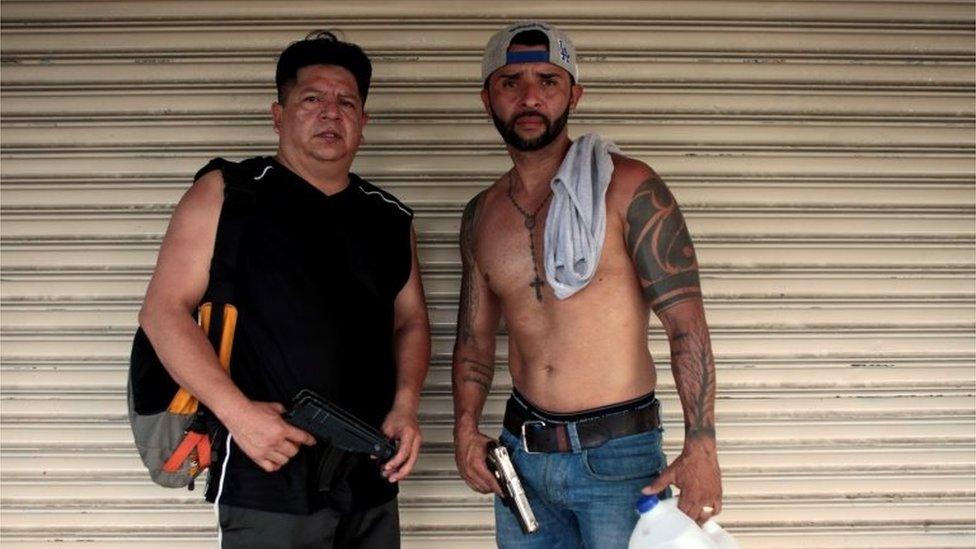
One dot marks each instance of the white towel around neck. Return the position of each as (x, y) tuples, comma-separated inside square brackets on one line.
[(577, 220)]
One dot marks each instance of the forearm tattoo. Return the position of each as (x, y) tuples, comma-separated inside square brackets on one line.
[(478, 373), (694, 372), (468, 370), (660, 246), (468, 302)]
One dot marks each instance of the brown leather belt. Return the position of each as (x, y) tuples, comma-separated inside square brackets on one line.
[(540, 435)]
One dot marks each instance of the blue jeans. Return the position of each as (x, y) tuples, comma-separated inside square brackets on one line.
[(585, 498)]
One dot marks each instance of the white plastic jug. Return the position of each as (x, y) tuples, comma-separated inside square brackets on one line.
[(720, 537), (663, 526)]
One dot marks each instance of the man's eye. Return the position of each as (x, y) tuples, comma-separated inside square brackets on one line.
[(311, 99)]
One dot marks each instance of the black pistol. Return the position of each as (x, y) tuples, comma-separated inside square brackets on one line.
[(327, 422)]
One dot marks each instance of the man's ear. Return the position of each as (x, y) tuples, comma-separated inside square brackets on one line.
[(575, 93), (486, 101), (362, 134), (276, 114)]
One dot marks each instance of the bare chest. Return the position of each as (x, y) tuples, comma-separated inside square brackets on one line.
[(510, 250), (510, 253)]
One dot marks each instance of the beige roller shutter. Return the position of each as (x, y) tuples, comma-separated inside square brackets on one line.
[(823, 153)]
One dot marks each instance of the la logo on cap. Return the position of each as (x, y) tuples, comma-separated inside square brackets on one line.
[(563, 52)]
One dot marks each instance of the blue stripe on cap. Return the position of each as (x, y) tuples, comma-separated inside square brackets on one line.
[(526, 57)]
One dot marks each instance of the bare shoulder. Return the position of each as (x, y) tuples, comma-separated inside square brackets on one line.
[(472, 210), (206, 193), (182, 267), (629, 175), (481, 202), (198, 212), (496, 189)]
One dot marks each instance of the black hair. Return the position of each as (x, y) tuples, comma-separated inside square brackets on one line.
[(323, 48)]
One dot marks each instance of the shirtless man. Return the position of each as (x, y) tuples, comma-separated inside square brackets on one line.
[(582, 424)]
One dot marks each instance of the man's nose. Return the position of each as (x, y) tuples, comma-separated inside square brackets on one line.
[(531, 96), (329, 109)]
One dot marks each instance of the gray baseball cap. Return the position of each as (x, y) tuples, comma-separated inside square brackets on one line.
[(561, 52)]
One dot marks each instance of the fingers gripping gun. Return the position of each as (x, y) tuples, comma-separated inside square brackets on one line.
[(513, 494), (326, 421), (344, 432)]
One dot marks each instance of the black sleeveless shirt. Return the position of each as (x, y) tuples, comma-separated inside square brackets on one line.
[(316, 280)]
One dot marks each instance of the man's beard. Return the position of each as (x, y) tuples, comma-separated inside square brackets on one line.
[(552, 130)]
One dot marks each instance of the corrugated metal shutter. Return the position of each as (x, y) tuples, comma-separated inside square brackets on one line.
[(823, 152)]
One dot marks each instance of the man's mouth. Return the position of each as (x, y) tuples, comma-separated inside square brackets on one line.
[(329, 134), (530, 120)]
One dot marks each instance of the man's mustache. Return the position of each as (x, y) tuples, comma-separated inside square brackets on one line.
[(530, 113)]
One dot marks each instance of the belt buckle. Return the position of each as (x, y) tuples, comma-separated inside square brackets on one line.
[(525, 441)]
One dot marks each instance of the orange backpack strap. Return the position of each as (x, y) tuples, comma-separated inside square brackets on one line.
[(196, 437), (183, 402)]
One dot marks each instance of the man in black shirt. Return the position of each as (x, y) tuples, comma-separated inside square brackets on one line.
[(329, 297)]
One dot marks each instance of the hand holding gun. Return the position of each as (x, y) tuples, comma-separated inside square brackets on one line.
[(327, 422), (513, 495)]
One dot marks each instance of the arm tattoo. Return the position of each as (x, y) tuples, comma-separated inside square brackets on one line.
[(479, 373), (468, 305), (694, 372), (660, 246)]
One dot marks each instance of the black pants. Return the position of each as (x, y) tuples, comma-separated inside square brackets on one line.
[(375, 528)]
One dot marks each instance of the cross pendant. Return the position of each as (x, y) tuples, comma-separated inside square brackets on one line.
[(537, 284)]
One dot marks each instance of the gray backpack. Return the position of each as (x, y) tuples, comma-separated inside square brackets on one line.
[(171, 429)]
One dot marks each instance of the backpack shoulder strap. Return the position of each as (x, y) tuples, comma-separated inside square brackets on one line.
[(241, 180)]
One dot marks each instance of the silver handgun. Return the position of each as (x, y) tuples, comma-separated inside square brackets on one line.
[(513, 495)]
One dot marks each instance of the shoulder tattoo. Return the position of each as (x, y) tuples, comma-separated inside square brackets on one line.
[(660, 246), (468, 303)]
